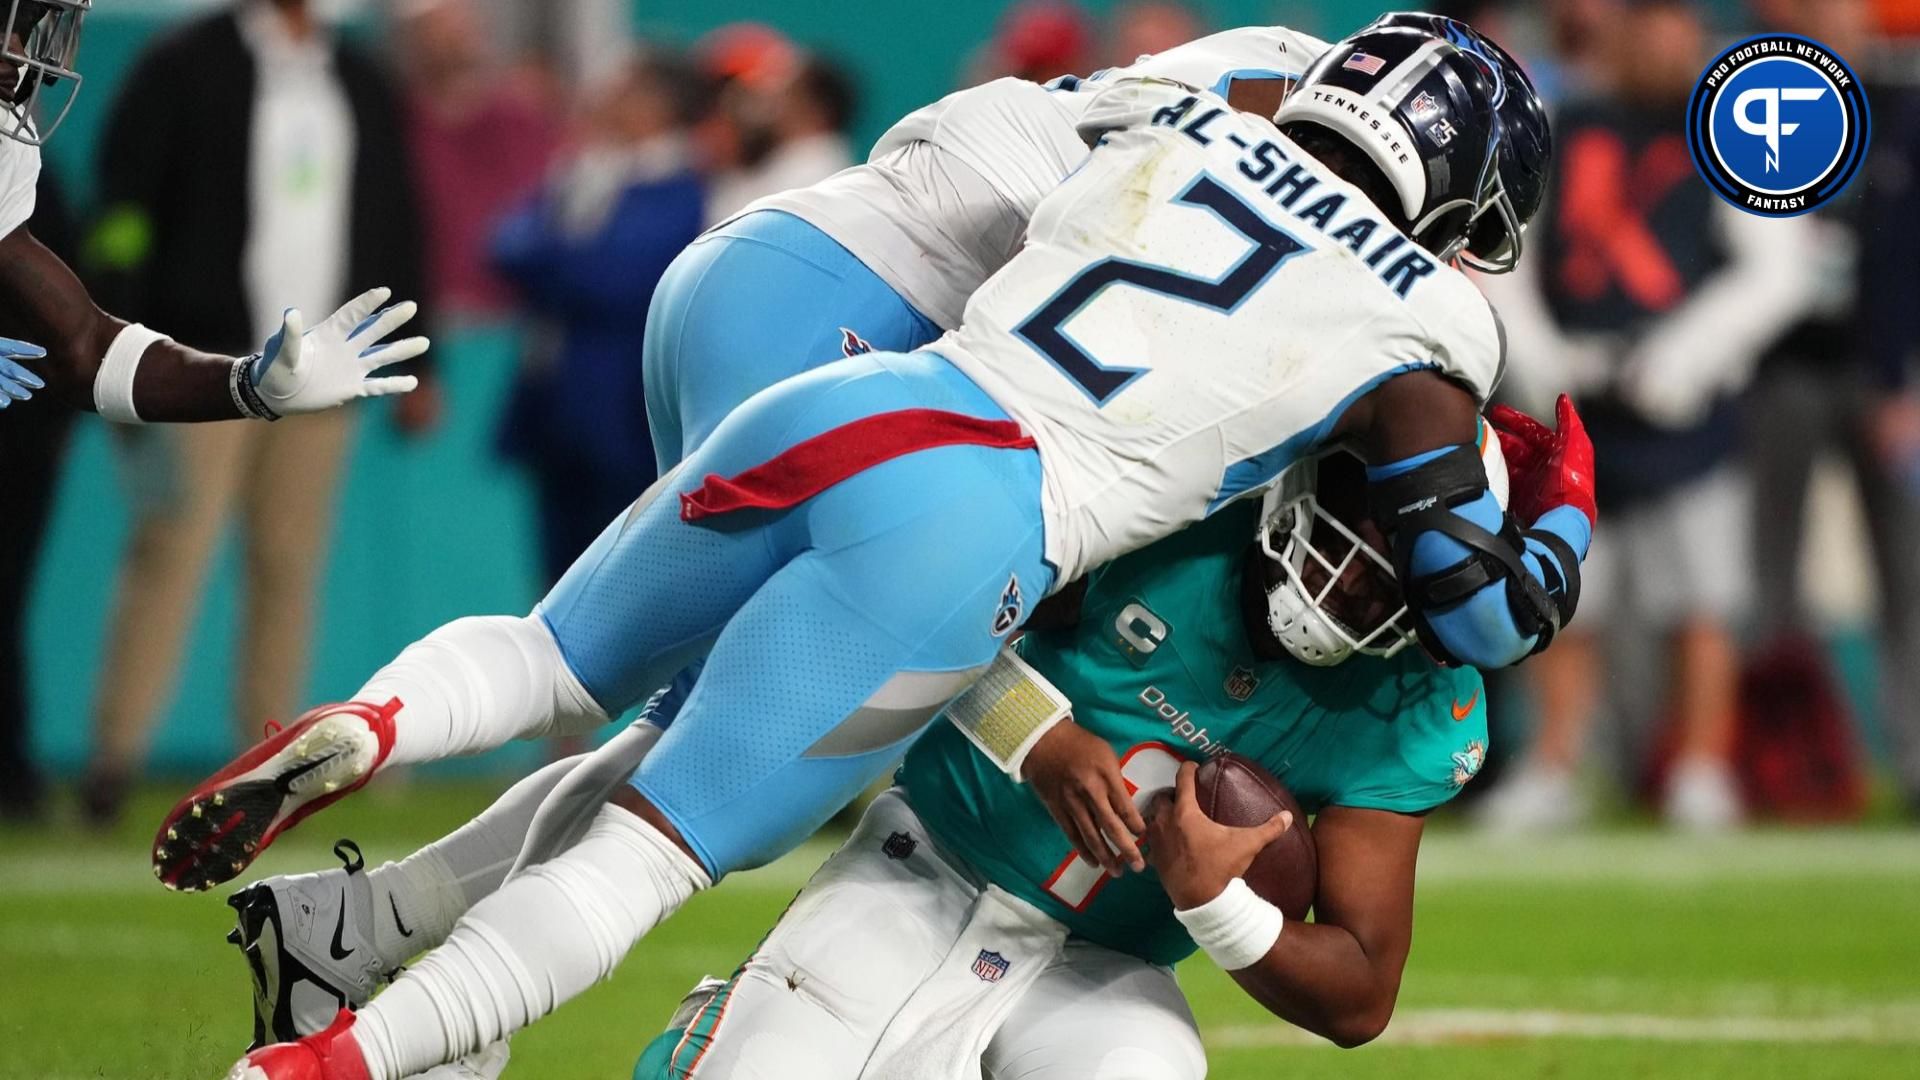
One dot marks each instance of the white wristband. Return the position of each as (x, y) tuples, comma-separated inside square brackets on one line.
[(113, 383), (1235, 928)]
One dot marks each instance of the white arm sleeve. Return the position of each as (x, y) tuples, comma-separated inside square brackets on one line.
[(478, 683), (1542, 362), (1710, 344)]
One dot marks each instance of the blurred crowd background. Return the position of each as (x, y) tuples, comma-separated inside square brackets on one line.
[(1749, 640)]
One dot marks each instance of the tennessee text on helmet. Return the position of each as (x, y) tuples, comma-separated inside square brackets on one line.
[(37, 54), (1423, 110)]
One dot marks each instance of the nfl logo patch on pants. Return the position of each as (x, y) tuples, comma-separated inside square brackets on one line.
[(990, 966)]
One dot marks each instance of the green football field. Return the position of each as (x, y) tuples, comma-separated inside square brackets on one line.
[(1617, 955)]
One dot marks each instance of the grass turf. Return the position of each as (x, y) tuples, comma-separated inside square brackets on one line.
[(1619, 955)]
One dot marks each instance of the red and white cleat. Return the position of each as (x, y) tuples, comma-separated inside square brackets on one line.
[(212, 835), (325, 1055)]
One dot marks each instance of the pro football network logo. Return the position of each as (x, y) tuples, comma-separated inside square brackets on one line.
[(1778, 125)]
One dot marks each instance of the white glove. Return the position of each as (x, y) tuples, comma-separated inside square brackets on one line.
[(326, 367)]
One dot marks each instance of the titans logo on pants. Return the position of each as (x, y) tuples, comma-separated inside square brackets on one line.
[(1778, 125)]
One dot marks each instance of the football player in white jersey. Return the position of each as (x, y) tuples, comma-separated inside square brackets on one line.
[(1212, 296), (884, 255), (125, 371)]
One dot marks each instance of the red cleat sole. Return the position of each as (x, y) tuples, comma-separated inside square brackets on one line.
[(215, 833)]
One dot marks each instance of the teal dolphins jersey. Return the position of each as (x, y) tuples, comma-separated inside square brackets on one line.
[(1160, 666)]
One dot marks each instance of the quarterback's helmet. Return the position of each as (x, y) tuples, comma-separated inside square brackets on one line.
[(1423, 110), (1324, 562), (1527, 150), (38, 47)]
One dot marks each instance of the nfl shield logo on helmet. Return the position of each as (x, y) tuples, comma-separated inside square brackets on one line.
[(1423, 106), (1241, 683), (1007, 615), (990, 966)]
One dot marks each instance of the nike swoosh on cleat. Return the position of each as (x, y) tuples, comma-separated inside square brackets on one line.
[(338, 928), (395, 904), (284, 782)]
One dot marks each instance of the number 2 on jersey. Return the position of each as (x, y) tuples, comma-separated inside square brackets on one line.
[(1148, 769), (1046, 330)]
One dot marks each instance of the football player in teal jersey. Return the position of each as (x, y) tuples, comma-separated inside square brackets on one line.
[(958, 932), (1227, 636)]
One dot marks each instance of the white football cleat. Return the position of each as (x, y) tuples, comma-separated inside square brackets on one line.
[(309, 944)]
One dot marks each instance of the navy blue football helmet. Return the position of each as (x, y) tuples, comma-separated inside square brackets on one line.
[(1527, 154), (1427, 112)]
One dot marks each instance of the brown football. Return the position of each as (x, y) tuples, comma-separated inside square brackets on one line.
[(1236, 791)]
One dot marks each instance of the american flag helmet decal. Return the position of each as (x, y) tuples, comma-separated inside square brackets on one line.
[(1365, 63)]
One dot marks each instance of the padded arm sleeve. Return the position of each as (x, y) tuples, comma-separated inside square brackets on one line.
[(1481, 591)]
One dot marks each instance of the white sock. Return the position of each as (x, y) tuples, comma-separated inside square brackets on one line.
[(545, 936), (478, 683), (427, 891)]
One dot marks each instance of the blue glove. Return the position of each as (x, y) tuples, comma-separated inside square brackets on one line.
[(16, 382)]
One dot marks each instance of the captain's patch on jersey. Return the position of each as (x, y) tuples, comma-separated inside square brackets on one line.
[(1138, 631), (990, 966)]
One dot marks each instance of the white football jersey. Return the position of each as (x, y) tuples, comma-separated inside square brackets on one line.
[(19, 172), (946, 193), (1193, 310), (1215, 61)]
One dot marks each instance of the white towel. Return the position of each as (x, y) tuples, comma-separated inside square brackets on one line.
[(941, 1031)]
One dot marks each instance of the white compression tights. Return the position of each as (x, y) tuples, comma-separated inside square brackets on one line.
[(549, 933), (536, 819), (478, 683)]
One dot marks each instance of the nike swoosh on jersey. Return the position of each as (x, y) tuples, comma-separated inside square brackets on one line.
[(339, 928), (1461, 712)]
